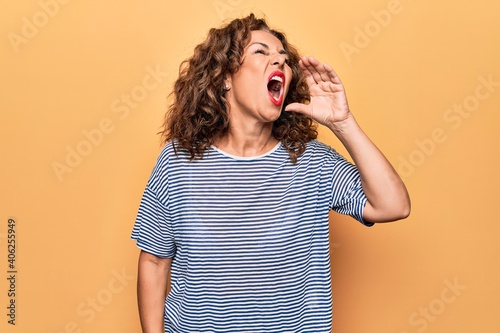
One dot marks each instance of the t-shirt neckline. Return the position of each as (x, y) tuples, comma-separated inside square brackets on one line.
[(247, 158)]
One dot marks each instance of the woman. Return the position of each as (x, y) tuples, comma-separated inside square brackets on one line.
[(236, 209)]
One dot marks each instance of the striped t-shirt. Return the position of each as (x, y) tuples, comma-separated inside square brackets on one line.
[(248, 237)]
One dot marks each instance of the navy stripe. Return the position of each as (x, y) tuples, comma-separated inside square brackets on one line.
[(248, 237)]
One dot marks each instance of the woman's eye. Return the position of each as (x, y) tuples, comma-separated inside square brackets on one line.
[(260, 51)]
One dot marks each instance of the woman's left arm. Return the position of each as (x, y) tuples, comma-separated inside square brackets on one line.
[(387, 197)]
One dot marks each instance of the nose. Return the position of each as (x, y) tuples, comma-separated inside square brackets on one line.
[(278, 60)]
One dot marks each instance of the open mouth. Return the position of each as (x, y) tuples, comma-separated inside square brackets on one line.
[(275, 85)]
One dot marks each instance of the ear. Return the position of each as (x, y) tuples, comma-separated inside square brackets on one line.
[(227, 83)]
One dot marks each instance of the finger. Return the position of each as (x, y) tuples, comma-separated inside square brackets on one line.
[(299, 108), (320, 72), (325, 72), (305, 66), (311, 64), (305, 61), (317, 73), (331, 74)]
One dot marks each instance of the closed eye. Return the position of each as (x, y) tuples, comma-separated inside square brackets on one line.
[(265, 52), (287, 60)]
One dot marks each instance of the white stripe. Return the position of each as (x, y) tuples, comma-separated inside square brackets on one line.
[(248, 237)]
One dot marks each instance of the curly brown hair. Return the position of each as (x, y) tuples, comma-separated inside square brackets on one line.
[(198, 115)]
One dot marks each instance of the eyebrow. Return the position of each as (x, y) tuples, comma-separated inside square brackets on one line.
[(264, 45)]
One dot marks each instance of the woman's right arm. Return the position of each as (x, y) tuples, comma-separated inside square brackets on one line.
[(152, 278)]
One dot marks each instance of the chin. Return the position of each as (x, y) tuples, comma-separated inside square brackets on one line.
[(272, 116)]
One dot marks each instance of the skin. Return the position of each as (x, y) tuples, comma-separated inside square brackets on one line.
[(252, 112), (152, 279), (388, 199), (251, 117)]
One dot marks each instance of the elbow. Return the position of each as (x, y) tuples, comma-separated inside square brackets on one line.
[(394, 215), (405, 207), (401, 207), (389, 213), (403, 210)]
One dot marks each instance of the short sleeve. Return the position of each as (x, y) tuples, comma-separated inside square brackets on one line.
[(348, 196), (152, 229)]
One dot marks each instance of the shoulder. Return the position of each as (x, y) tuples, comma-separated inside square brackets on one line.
[(317, 149), (162, 165), (167, 153), (172, 153), (318, 146)]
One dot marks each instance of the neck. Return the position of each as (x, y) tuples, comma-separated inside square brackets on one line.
[(247, 141)]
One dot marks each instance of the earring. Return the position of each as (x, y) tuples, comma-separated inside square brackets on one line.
[(227, 87)]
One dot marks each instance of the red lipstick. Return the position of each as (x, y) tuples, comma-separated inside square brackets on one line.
[(275, 87)]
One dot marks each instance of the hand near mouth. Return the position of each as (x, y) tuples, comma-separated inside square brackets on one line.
[(328, 105)]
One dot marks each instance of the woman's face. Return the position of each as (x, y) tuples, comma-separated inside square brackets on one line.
[(259, 87)]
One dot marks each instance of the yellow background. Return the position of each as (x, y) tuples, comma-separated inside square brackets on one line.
[(408, 67)]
